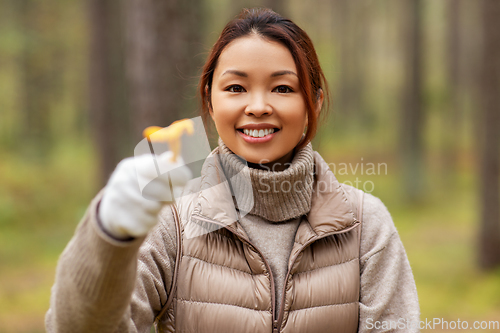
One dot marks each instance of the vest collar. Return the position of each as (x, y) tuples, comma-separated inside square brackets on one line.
[(330, 212)]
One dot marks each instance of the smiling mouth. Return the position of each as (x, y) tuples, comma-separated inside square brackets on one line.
[(258, 133)]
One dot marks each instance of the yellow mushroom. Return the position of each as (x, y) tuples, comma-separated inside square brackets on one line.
[(171, 135)]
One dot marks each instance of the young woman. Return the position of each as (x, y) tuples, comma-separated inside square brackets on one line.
[(311, 255)]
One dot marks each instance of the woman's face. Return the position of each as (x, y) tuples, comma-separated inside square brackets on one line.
[(256, 102)]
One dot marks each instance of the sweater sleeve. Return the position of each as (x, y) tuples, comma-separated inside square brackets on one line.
[(105, 285), (388, 295)]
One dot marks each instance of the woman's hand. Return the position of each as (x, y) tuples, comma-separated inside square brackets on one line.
[(129, 207)]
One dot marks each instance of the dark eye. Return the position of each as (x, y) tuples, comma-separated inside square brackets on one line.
[(283, 89), (235, 88)]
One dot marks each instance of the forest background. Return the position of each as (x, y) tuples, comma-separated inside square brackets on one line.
[(414, 119)]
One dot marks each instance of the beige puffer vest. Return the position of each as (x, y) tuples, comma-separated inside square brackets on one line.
[(224, 284)]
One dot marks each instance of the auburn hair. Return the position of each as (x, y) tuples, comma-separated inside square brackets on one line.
[(270, 25)]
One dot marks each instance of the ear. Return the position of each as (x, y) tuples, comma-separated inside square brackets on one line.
[(209, 102), (320, 97)]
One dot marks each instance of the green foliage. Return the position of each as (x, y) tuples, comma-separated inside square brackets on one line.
[(40, 207)]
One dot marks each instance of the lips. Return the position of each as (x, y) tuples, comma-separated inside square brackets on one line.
[(257, 132), (254, 129), (257, 136)]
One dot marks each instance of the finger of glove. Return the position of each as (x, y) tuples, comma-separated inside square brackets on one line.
[(176, 172), (148, 221), (131, 173), (123, 193), (135, 200), (120, 203), (152, 184), (124, 211), (179, 173), (180, 176), (149, 167), (133, 223)]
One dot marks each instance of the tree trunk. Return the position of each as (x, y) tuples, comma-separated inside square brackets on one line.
[(108, 111), (163, 55), (453, 115), (489, 242), (351, 22), (346, 89), (39, 79), (412, 112)]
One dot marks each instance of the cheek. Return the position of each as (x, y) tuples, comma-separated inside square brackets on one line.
[(225, 121), (300, 122), (296, 117), (218, 109), (225, 110)]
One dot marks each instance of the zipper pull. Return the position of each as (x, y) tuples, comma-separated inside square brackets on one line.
[(275, 326)]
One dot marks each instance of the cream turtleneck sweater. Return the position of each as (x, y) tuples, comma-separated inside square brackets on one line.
[(277, 195), (280, 199)]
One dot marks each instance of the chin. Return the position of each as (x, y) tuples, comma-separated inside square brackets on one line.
[(267, 162), (256, 160)]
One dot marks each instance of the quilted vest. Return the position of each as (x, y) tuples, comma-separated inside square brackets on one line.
[(223, 283)]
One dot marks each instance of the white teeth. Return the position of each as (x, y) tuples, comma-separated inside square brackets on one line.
[(258, 133)]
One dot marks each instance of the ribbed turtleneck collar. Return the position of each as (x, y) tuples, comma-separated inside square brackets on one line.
[(277, 195)]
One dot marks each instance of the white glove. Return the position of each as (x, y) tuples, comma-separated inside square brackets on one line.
[(129, 210)]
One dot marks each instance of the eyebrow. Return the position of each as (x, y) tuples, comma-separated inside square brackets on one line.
[(243, 74), (235, 72), (285, 72)]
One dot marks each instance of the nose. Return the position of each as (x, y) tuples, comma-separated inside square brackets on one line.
[(258, 105)]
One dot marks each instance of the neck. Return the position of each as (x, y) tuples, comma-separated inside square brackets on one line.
[(279, 165)]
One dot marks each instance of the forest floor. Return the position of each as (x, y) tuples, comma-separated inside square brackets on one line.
[(41, 202)]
